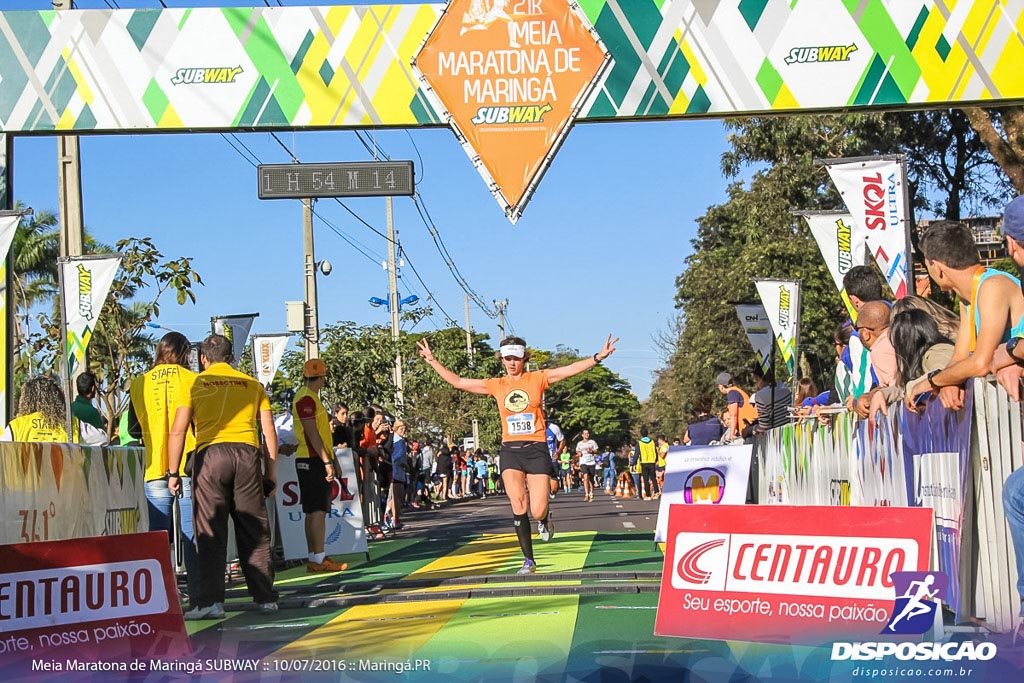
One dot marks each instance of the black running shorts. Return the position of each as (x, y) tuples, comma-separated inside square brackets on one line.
[(314, 489), (588, 469), (531, 457)]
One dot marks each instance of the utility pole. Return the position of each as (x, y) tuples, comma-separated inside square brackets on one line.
[(469, 337), (393, 307), (312, 331), (69, 197), (502, 305)]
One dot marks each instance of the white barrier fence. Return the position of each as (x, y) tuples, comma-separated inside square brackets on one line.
[(947, 461), (54, 492)]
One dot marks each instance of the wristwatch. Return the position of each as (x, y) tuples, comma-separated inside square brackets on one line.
[(1010, 346), (931, 379), (168, 474)]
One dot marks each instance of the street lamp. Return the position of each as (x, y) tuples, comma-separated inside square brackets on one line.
[(377, 302)]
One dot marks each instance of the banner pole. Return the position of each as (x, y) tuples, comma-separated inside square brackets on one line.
[(798, 295), (908, 226), (65, 354)]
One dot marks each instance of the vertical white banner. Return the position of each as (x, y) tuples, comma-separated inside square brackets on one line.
[(754, 320), (85, 283), (8, 226), (875, 195), (344, 532), (236, 329), (841, 242), (781, 299), (267, 351)]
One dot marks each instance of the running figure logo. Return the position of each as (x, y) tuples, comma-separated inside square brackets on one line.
[(915, 607)]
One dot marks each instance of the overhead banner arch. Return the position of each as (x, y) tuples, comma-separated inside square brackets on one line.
[(272, 68)]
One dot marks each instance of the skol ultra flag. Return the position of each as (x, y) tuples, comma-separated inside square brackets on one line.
[(841, 242), (267, 350), (874, 193), (781, 299), (85, 283), (236, 329), (755, 323)]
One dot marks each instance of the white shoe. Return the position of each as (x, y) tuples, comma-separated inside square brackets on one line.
[(214, 611), (546, 531), (268, 607)]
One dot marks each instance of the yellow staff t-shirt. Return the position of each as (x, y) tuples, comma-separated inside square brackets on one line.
[(226, 405), (156, 396)]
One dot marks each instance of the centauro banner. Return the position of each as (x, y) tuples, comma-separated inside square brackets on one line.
[(236, 329), (85, 282), (781, 299), (267, 351), (874, 193), (841, 242), (755, 323), (511, 77)]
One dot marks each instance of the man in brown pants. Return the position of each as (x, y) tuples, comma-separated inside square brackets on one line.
[(227, 477)]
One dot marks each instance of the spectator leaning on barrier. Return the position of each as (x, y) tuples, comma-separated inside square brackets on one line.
[(862, 285), (772, 402), (227, 476), (1008, 362), (873, 328), (991, 302), (741, 411), (705, 428)]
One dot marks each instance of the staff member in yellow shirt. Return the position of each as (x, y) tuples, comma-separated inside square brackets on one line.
[(42, 415), (314, 463), (155, 398), (227, 477)]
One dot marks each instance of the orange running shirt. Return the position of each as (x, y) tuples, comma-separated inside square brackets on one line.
[(519, 405)]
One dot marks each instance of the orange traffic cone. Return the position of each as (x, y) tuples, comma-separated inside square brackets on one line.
[(608, 488), (619, 493)]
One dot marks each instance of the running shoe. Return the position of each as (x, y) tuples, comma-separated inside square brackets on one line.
[(551, 496), (546, 531), (214, 611), (268, 607), (529, 567)]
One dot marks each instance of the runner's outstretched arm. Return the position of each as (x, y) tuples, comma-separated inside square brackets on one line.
[(567, 371), (473, 386)]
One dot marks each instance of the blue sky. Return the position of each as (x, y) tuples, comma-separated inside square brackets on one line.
[(597, 250)]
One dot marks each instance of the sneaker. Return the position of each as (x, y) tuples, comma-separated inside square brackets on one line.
[(529, 567), (214, 611), (327, 566), (546, 531), (551, 496), (268, 607)]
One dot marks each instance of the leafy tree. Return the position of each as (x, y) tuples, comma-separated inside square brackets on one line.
[(1001, 129), (121, 347), (753, 235)]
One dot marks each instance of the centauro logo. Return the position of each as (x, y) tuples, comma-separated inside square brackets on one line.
[(219, 74), (531, 113), (823, 53), (85, 292)]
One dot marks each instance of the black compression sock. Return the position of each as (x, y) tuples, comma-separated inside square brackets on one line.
[(523, 532)]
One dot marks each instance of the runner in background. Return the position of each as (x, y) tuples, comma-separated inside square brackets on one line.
[(586, 451), (659, 464), (609, 470), (556, 446), (525, 459)]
